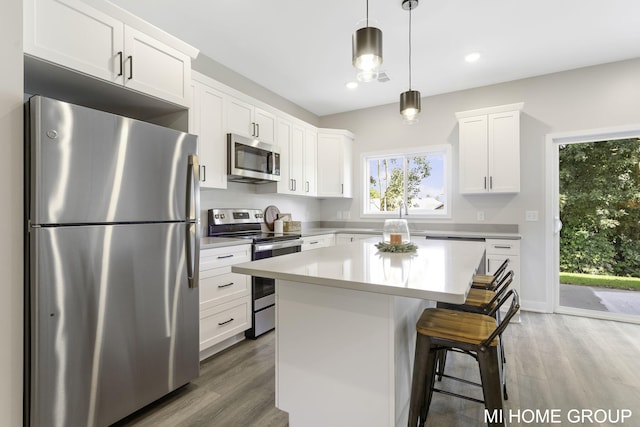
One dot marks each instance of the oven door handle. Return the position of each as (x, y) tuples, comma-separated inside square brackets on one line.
[(261, 247)]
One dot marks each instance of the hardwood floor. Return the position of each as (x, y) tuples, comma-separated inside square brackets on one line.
[(236, 388), (554, 362)]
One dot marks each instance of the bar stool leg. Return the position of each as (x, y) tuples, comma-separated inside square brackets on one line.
[(418, 381), (430, 380), (490, 373)]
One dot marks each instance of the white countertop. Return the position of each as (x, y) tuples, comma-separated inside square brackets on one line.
[(440, 270), (221, 242), (417, 233)]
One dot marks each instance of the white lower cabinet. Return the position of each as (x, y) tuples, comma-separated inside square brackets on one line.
[(342, 239), (320, 241), (225, 297), (498, 250)]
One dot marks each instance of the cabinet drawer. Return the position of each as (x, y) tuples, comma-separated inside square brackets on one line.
[(315, 242), (221, 257), (503, 247), (224, 321), (216, 288)]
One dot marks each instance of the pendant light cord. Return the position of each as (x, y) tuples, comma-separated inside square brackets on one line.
[(367, 13), (410, 8)]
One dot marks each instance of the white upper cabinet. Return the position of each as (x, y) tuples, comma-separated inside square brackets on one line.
[(297, 144), (334, 175), (248, 120), (489, 150), (84, 38), (206, 119)]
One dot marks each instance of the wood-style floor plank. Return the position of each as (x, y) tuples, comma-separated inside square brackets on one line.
[(553, 362)]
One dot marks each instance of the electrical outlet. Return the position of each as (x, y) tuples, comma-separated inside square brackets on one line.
[(480, 216), (531, 215)]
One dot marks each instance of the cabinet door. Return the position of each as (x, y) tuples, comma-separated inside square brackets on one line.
[(265, 126), (296, 159), (240, 117), (156, 69), (212, 146), (473, 155), (504, 152), (284, 128), (72, 34), (347, 165), (310, 161), (330, 165)]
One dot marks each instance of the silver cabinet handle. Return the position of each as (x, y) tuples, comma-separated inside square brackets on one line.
[(314, 243), (225, 256), (491, 182), (225, 286), (341, 188), (307, 186), (485, 182), (225, 322), (502, 246), (258, 130)]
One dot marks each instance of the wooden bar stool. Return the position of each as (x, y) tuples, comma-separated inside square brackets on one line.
[(479, 301), (489, 281), (472, 333)]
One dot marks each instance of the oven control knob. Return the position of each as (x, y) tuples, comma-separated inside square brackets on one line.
[(217, 216), (222, 216)]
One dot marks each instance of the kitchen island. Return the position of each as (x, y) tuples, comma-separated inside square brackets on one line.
[(345, 325)]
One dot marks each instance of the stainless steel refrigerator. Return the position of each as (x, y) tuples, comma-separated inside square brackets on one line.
[(112, 249)]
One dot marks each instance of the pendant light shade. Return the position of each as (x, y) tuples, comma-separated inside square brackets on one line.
[(410, 100), (410, 105), (366, 48)]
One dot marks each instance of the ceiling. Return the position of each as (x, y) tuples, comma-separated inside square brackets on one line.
[(301, 50)]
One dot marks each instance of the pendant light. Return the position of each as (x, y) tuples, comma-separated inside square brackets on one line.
[(366, 49), (410, 100)]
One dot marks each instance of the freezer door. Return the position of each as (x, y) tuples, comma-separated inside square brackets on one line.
[(91, 167), (114, 323)]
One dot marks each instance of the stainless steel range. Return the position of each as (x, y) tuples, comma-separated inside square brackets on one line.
[(247, 224)]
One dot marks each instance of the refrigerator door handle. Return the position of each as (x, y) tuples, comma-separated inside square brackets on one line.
[(193, 211)]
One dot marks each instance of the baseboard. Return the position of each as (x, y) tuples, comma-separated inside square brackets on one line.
[(536, 306), (217, 348)]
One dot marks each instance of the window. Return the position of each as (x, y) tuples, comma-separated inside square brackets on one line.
[(416, 181)]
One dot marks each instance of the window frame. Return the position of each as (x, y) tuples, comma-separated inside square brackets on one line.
[(427, 150)]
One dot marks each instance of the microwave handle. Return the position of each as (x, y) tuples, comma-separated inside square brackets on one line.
[(270, 163)]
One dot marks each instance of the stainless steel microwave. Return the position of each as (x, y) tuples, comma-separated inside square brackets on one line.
[(250, 160)]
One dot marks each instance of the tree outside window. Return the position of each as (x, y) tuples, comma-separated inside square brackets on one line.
[(418, 180)]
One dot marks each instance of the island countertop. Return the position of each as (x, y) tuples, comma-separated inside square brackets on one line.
[(439, 270)]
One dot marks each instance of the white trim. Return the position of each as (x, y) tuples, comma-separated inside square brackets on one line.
[(552, 278), (490, 110), (439, 148)]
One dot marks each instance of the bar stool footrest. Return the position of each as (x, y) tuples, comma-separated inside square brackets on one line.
[(461, 396), (462, 380)]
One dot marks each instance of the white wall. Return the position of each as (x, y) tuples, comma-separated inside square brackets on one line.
[(593, 97), (11, 221), (239, 195)]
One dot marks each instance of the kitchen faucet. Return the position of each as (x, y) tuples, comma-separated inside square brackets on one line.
[(406, 212)]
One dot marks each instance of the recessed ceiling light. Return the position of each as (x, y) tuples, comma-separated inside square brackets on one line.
[(352, 85), (472, 57)]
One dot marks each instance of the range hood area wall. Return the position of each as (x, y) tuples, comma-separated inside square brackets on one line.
[(589, 98)]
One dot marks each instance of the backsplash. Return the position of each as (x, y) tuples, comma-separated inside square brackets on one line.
[(239, 195)]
